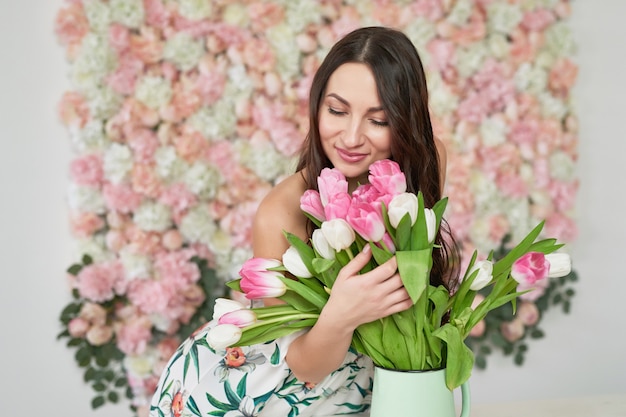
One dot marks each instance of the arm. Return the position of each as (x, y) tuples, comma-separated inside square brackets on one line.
[(355, 299)]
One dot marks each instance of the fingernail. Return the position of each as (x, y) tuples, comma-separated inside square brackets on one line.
[(367, 249)]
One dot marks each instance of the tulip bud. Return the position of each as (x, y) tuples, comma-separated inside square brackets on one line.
[(293, 263), (431, 224), (399, 206), (240, 318), (530, 268), (560, 264), (484, 275), (321, 245), (258, 281), (225, 305), (223, 335), (338, 233), (311, 203)]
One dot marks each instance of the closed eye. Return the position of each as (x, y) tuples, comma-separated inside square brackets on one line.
[(379, 122), (335, 112)]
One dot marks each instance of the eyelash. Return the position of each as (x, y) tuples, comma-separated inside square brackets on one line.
[(340, 113)]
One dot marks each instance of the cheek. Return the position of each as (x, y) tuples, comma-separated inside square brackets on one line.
[(324, 131), (381, 141), (328, 126)]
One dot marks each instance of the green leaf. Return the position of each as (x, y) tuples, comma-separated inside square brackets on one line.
[(566, 307), (82, 354), (380, 255), (74, 269), (99, 387), (439, 208), (394, 342), (234, 284), (70, 311), (439, 298), (536, 333), (90, 374), (414, 268), (505, 263), (481, 362), (264, 334), (113, 397), (321, 265), (305, 251), (419, 232), (460, 359), (97, 402), (87, 260), (403, 233), (318, 299), (102, 361), (75, 341)]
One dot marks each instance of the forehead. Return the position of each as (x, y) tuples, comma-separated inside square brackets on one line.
[(353, 81)]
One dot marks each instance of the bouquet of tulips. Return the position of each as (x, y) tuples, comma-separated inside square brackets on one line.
[(393, 222)]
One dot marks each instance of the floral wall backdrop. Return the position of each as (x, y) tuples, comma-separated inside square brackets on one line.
[(184, 113)]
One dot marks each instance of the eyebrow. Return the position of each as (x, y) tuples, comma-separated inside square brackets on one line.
[(345, 102)]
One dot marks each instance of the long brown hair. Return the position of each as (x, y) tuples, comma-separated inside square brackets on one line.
[(402, 90)]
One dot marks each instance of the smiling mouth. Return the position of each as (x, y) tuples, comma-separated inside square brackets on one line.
[(351, 156)]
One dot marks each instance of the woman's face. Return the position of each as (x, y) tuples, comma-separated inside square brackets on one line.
[(352, 123)]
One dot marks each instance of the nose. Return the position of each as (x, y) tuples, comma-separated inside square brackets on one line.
[(353, 135)]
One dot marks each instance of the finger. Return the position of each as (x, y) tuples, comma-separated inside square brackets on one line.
[(384, 271), (358, 262), (391, 285)]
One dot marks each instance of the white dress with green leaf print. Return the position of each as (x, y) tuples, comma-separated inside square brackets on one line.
[(255, 381)]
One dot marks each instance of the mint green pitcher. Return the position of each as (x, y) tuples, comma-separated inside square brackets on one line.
[(415, 394)]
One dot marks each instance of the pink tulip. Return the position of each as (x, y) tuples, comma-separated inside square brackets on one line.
[(387, 178), (311, 203), (331, 182), (240, 318), (337, 207), (366, 192), (259, 282), (366, 220), (530, 268)]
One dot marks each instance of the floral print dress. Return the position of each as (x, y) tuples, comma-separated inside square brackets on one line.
[(255, 381)]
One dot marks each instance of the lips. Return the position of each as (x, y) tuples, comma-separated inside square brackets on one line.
[(351, 157)]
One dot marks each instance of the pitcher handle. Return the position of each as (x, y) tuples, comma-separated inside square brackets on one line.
[(465, 399)]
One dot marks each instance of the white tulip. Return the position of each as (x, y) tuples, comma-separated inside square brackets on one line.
[(223, 335), (431, 224), (399, 206), (321, 245), (338, 233), (225, 305), (293, 263), (484, 276), (560, 264)]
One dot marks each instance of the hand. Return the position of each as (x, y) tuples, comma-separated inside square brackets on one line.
[(361, 298)]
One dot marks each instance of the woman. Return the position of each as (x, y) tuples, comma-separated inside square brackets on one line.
[(368, 101)]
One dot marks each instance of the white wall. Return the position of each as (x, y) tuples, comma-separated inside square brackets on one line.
[(583, 353)]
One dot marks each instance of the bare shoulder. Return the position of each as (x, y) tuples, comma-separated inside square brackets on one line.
[(279, 211)]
